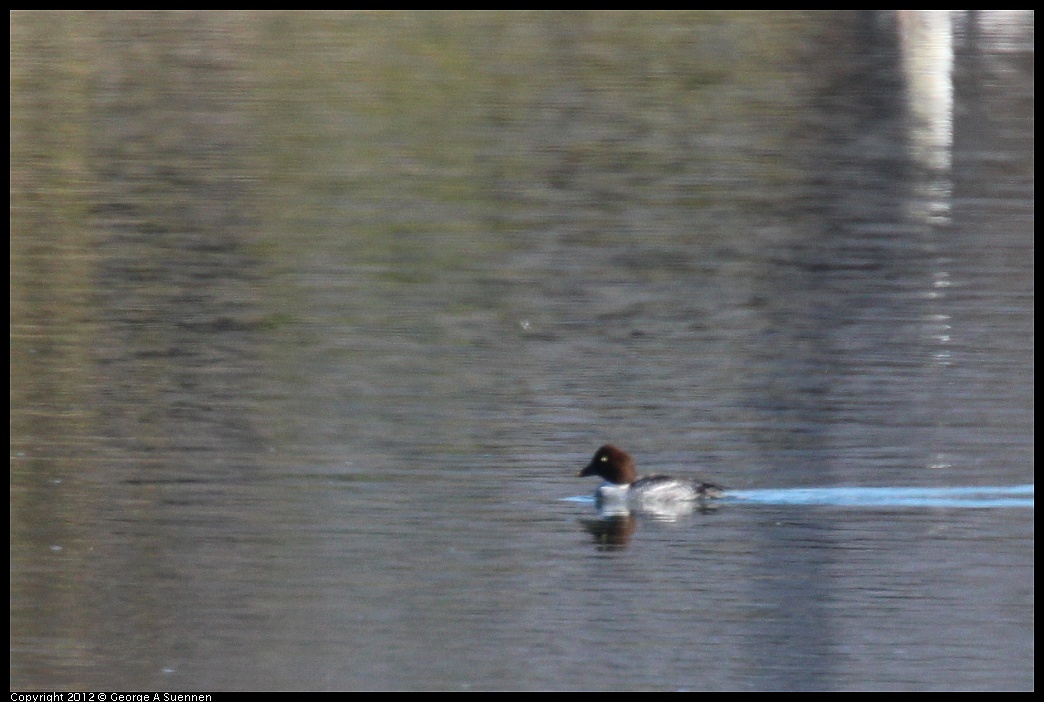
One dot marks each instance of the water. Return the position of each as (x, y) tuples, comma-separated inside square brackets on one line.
[(314, 319)]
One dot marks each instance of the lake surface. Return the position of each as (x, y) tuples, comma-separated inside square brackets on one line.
[(315, 318)]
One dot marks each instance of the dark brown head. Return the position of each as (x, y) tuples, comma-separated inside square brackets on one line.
[(611, 464)]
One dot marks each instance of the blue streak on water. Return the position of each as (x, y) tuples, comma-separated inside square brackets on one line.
[(967, 497), (974, 497)]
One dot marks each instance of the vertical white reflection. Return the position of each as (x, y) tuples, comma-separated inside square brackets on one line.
[(926, 38)]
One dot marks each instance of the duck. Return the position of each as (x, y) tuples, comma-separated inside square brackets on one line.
[(623, 491)]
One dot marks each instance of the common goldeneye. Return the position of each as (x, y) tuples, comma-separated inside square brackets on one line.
[(624, 491)]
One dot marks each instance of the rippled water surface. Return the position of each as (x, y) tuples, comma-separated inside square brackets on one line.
[(315, 317)]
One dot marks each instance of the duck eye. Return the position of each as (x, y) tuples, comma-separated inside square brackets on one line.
[(604, 459)]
